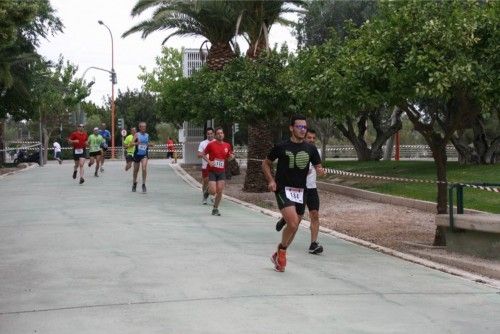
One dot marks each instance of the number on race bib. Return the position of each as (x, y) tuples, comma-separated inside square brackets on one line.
[(218, 163), (142, 147), (295, 194), (78, 150)]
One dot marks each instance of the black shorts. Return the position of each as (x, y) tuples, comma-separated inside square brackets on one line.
[(312, 199), (284, 202), (129, 158), (57, 155), (138, 158), (95, 154), (170, 155), (79, 155), (216, 176)]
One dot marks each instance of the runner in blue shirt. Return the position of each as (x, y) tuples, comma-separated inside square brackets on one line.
[(107, 138), (141, 142)]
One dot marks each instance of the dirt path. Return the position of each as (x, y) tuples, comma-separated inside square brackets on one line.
[(400, 228)]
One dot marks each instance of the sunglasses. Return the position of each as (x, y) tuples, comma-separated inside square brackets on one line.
[(301, 127)]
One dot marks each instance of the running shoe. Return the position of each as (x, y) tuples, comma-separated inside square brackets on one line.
[(81, 180), (143, 188), (90, 164), (204, 201), (315, 248), (102, 169), (95, 174), (215, 212), (74, 174), (280, 223), (134, 187), (279, 260)]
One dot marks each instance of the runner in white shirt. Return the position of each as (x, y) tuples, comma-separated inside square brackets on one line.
[(204, 164), (57, 152), (312, 201)]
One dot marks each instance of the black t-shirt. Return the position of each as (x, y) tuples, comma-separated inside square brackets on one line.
[(293, 163)]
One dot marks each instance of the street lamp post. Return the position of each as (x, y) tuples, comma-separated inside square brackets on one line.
[(113, 81)]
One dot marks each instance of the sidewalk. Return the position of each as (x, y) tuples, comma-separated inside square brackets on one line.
[(98, 258)]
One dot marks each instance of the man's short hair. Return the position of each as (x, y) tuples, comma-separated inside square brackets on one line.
[(309, 130), (209, 129), (295, 118), (219, 128)]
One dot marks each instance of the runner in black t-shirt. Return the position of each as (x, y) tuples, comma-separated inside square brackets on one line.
[(294, 156)]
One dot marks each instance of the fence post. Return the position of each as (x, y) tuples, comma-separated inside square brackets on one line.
[(460, 199), (450, 207)]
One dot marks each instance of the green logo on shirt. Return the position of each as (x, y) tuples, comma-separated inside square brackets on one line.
[(301, 159)]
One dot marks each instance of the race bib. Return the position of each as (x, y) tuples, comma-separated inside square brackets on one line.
[(295, 194), (78, 150), (142, 147), (218, 163)]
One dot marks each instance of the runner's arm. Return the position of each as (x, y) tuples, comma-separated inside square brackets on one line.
[(266, 169)]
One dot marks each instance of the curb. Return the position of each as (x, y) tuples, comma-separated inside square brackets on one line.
[(18, 171), (305, 224)]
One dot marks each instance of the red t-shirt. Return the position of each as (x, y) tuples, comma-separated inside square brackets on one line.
[(218, 151), (81, 137), (170, 145)]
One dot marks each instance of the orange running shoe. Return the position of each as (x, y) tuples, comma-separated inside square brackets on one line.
[(279, 260)]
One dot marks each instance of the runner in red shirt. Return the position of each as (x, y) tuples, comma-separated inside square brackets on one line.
[(170, 148), (78, 139), (216, 154)]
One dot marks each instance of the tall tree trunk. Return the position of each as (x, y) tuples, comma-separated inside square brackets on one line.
[(466, 154), (219, 55), (438, 148), (492, 155), (389, 144), (260, 142)]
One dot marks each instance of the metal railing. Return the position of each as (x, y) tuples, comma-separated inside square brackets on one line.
[(460, 198)]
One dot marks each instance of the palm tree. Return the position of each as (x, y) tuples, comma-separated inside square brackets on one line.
[(214, 20), (255, 20)]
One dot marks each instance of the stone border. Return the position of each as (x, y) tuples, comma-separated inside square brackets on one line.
[(305, 224), (384, 198), (18, 171)]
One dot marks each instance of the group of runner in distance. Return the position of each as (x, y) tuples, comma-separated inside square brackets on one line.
[(294, 185)]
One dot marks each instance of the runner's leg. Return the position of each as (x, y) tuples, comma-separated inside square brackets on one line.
[(292, 219), (219, 189), (136, 171), (81, 163), (144, 165), (314, 218)]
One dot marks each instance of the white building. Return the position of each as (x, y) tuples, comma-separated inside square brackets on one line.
[(191, 135)]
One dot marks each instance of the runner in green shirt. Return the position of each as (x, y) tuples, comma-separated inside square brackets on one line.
[(95, 152), (128, 144)]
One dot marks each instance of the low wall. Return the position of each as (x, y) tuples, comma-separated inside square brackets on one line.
[(477, 235)]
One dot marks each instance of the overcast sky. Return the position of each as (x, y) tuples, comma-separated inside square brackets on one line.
[(86, 43)]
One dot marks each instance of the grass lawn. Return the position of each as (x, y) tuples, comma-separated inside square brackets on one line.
[(473, 199)]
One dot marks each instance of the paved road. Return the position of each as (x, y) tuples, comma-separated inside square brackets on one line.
[(99, 259)]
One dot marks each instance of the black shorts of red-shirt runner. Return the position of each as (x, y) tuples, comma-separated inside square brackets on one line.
[(78, 156), (216, 176), (312, 199), (284, 202)]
